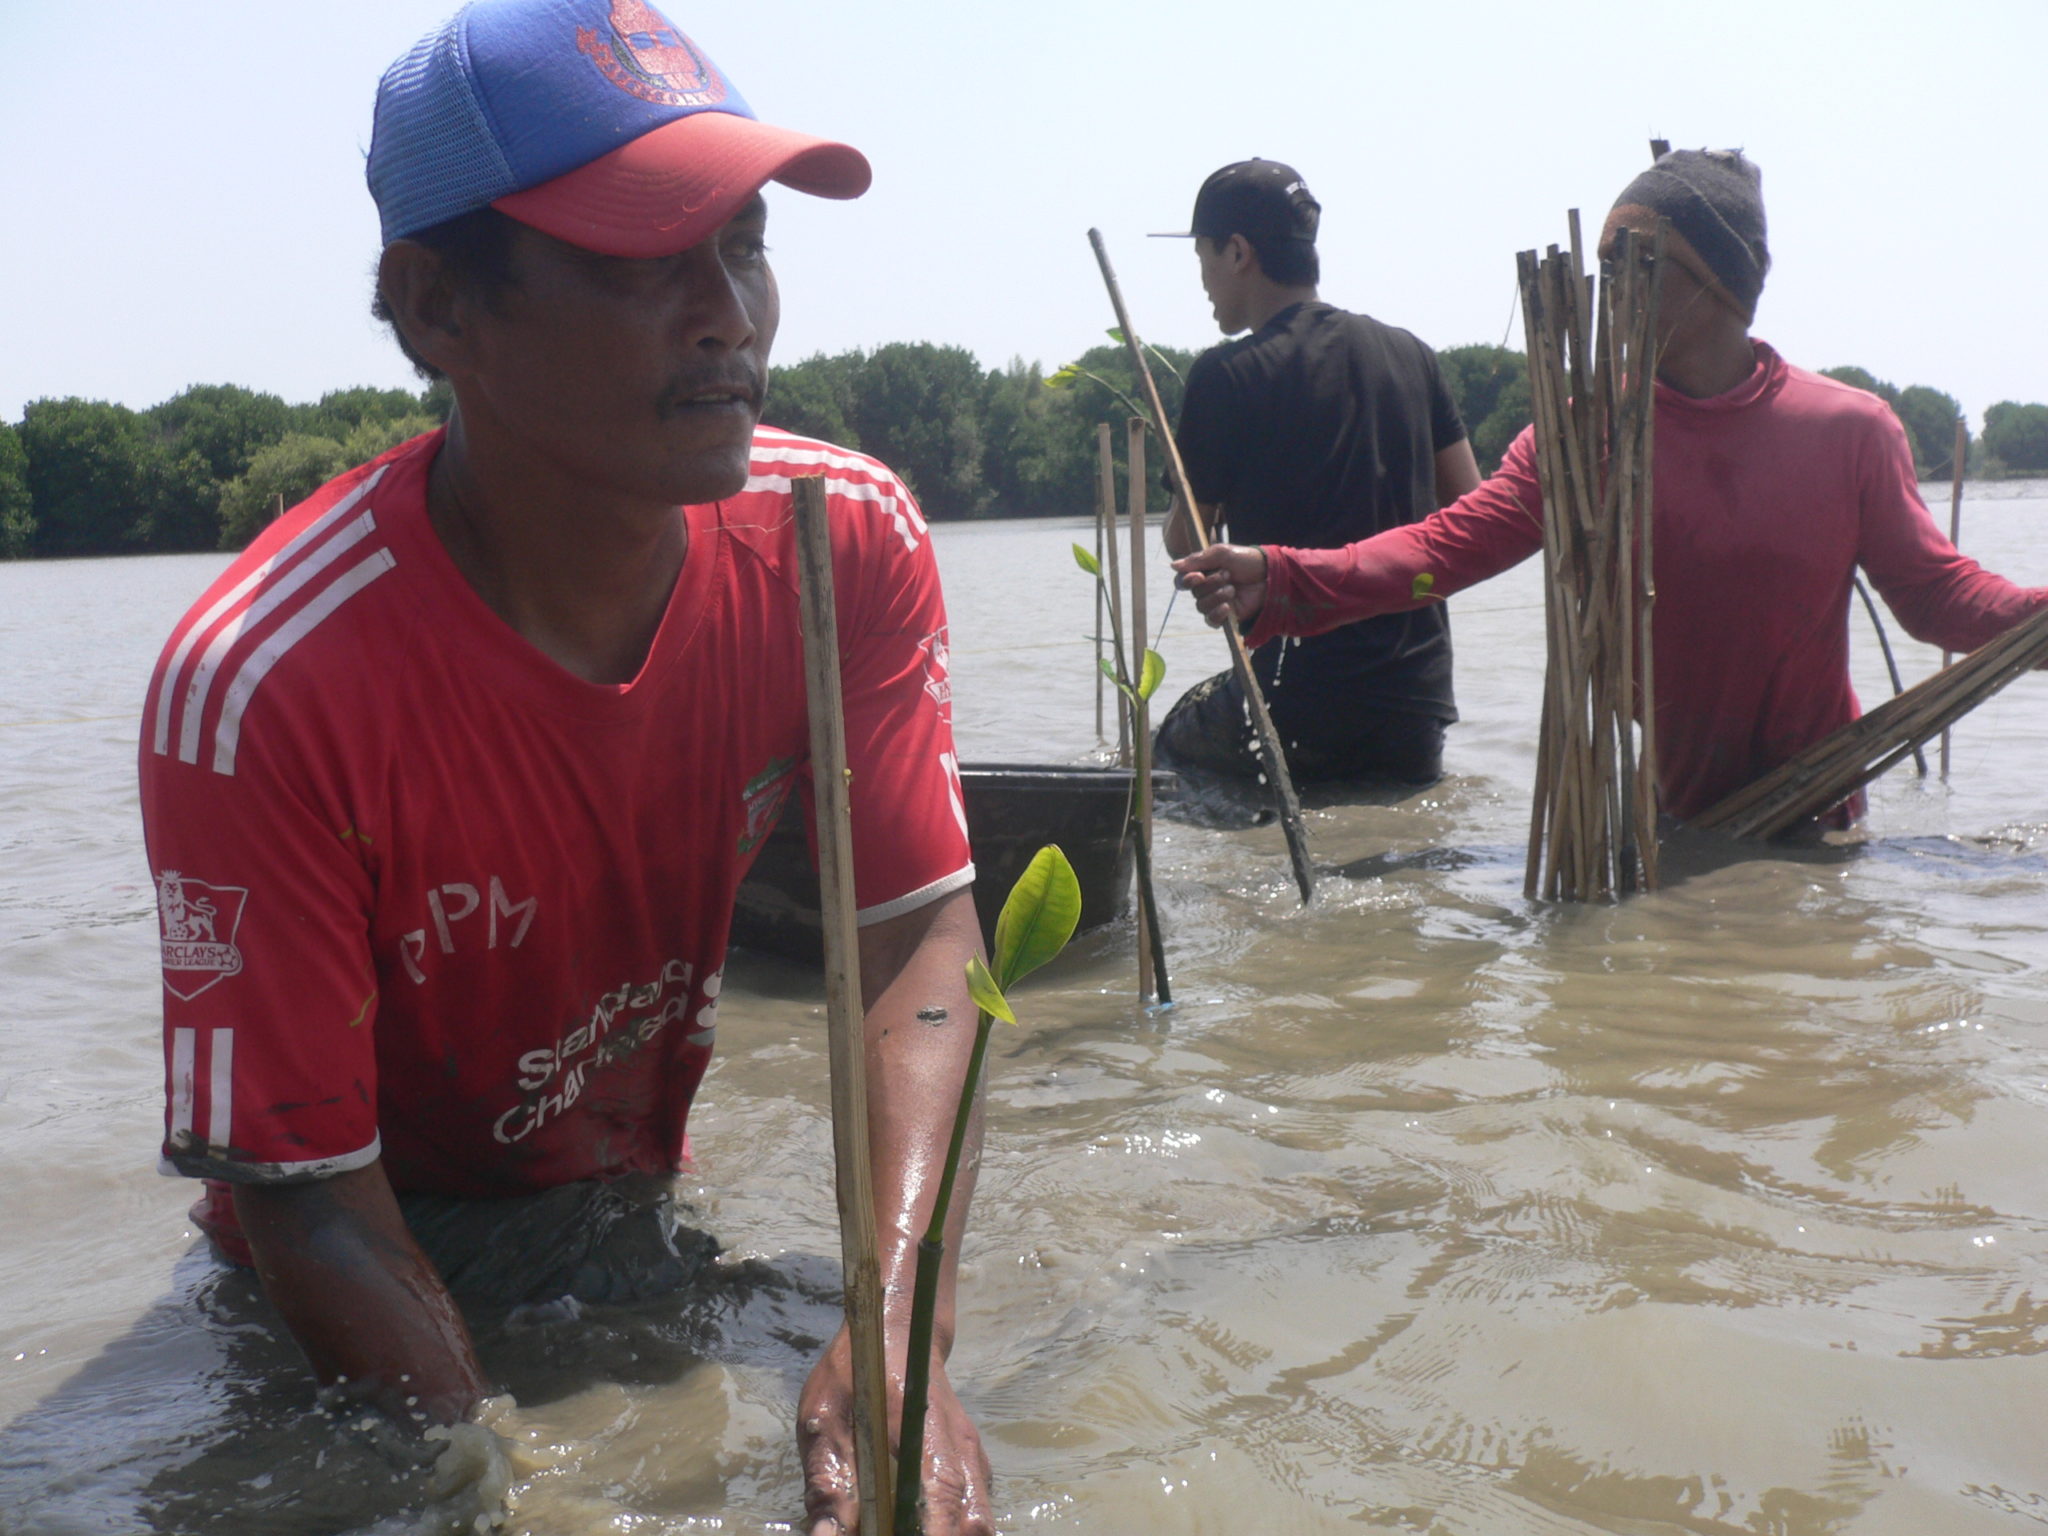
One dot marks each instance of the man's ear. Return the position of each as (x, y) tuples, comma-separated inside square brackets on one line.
[(426, 305), (1239, 256)]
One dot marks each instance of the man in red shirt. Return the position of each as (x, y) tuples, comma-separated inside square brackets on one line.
[(1772, 485), (449, 780)]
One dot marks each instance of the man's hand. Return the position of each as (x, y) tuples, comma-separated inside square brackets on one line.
[(1225, 578), (920, 1032), (956, 1476)]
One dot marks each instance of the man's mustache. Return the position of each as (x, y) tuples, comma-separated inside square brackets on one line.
[(689, 389)]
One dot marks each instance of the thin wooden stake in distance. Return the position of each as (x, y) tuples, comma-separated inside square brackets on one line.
[(1101, 599), (1135, 489), (1105, 511), (1955, 537), (843, 1013), (1271, 757)]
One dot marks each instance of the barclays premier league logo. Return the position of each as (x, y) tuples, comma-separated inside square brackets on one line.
[(763, 797), (938, 679), (642, 52), (199, 926)]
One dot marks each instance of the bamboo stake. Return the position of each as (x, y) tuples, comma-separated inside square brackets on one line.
[(1272, 756), (1141, 852), (1644, 374), (1891, 663), (1592, 358), (1141, 712), (1101, 682), (1105, 507), (1955, 537), (843, 1015)]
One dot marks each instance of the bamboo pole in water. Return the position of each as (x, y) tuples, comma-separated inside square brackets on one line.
[(844, 1023), (1955, 537), (1101, 682), (1834, 767), (1592, 365), (1891, 662), (1141, 711), (1272, 757), (1105, 511)]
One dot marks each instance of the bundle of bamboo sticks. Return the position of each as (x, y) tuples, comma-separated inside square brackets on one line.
[(1592, 364), (1834, 767)]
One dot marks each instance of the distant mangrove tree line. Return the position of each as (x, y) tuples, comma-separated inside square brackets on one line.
[(208, 468)]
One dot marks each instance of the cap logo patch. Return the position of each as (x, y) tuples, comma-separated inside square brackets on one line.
[(644, 55)]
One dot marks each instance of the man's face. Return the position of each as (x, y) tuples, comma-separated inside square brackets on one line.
[(637, 378), (1222, 282)]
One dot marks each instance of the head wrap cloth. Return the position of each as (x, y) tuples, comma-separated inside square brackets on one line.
[(1713, 202)]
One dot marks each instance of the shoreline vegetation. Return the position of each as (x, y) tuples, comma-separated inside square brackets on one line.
[(209, 467)]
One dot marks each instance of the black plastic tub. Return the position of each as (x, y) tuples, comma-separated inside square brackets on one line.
[(1013, 810)]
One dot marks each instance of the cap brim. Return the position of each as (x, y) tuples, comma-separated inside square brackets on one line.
[(668, 189)]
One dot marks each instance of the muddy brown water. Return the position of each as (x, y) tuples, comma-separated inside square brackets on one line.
[(1426, 1210)]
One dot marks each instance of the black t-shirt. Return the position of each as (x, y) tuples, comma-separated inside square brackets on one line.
[(1320, 428)]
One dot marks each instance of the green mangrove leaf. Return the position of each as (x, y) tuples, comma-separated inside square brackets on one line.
[(1064, 378), (988, 997), (1122, 687), (1039, 915), (1116, 334), (1163, 360), (1422, 586), (1087, 562), (1150, 674)]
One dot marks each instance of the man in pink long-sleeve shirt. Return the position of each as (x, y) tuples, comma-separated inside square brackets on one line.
[(1772, 485)]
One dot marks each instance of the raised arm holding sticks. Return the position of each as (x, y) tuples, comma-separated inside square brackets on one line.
[(1772, 486)]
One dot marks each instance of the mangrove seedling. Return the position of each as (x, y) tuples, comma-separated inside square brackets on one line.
[(1070, 374), (1073, 373), (1037, 919), (1151, 671)]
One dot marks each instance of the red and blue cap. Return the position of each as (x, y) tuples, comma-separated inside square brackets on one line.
[(595, 121)]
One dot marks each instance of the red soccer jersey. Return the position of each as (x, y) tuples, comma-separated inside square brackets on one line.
[(426, 895)]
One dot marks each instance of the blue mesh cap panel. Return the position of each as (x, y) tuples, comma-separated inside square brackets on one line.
[(432, 155), (561, 86), (513, 93)]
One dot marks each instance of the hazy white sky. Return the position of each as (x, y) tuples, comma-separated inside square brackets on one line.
[(181, 193)]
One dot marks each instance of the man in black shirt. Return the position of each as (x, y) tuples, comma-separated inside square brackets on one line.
[(1318, 428)]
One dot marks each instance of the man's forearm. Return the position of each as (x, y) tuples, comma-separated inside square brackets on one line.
[(920, 1034), (365, 1305), (1310, 591)]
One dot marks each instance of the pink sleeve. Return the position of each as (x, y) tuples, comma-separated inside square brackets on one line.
[(1495, 526), (1943, 597), (909, 817), (270, 994)]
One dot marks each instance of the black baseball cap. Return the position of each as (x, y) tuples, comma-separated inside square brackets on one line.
[(1263, 200)]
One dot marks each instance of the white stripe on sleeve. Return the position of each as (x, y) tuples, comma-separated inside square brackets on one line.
[(227, 737), (274, 597), (220, 1092), (182, 1046), (241, 589)]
